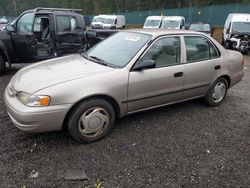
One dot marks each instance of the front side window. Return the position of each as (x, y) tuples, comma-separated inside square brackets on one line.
[(164, 52), (66, 23), (24, 24), (199, 49)]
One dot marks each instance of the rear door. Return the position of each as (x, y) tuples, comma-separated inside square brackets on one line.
[(201, 67), (69, 34)]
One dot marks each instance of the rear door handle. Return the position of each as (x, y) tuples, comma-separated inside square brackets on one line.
[(217, 67), (178, 74)]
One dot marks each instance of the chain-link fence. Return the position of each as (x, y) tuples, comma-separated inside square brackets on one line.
[(215, 14)]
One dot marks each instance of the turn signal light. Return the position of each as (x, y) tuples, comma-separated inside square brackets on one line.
[(44, 101)]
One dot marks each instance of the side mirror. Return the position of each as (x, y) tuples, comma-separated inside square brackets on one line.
[(227, 31), (144, 65), (10, 28)]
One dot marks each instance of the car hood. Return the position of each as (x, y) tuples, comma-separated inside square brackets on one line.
[(51, 72)]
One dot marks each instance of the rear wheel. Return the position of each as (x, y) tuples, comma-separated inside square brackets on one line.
[(217, 92), (91, 120), (2, 65)]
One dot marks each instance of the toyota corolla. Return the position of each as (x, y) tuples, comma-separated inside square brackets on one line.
[(131, 71)]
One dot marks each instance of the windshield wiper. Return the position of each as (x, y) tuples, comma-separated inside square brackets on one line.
[(99, 60)]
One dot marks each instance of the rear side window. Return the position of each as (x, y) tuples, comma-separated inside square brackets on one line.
[(199, 49), (66, 23)]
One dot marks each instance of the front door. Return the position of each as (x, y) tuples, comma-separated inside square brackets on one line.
[(162, 84), (69, 35), (23, 38)]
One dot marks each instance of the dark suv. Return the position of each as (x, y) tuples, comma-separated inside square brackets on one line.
[(42, 33)]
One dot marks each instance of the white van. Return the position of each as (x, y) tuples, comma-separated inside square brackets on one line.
[(153, 22), (114, 22), (97, 22), (173, 22), (237, 27)]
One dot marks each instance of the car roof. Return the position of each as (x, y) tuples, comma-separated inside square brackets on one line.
[(159, 32)]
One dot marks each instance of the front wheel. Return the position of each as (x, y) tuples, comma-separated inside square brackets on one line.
[(2, 65), (91, 120), (217, 92)]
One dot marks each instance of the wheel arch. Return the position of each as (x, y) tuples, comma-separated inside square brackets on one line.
[(108, 98), (228, 79), (4, 55)]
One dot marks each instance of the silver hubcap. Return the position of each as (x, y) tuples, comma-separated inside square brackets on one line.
[(219, 92), (93, 121)]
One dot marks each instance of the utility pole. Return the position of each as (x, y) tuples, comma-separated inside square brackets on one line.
[(14, 4)]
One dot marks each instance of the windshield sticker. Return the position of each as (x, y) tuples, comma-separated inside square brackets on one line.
[(132, 38)]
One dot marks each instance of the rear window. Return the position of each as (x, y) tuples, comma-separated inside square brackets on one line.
[(66, 23)]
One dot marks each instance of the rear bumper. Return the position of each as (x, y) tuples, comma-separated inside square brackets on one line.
[(237, 78), (35, 119)]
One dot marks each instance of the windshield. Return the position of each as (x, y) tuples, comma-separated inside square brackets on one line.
[(119, 48), (200, 27), (152, 23), (109, 21), (171, 24), (99, 19), (242, 27)]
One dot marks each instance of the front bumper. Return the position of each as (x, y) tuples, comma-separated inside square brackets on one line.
[(35, 119)]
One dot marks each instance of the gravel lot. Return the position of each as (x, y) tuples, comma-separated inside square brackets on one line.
[(182, 145)]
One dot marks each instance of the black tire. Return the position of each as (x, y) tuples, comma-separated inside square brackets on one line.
[(228, 45), (76, 126), (2, 65), (209, 98)]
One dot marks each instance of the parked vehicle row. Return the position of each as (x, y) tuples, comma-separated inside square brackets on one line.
[(165, 22), (151, 68)]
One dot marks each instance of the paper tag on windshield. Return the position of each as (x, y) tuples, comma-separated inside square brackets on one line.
[(132, 38)]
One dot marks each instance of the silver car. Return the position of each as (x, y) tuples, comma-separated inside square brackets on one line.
[(131, 71)]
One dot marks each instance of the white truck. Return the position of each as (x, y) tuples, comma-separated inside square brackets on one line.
[(97, 22), (236, 29), (173, 22), (114, 22)]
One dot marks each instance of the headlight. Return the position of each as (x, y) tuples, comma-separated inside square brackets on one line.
[(33, 100)]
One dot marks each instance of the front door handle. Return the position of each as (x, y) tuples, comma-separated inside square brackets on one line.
[(178, 74), (217, 67)]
